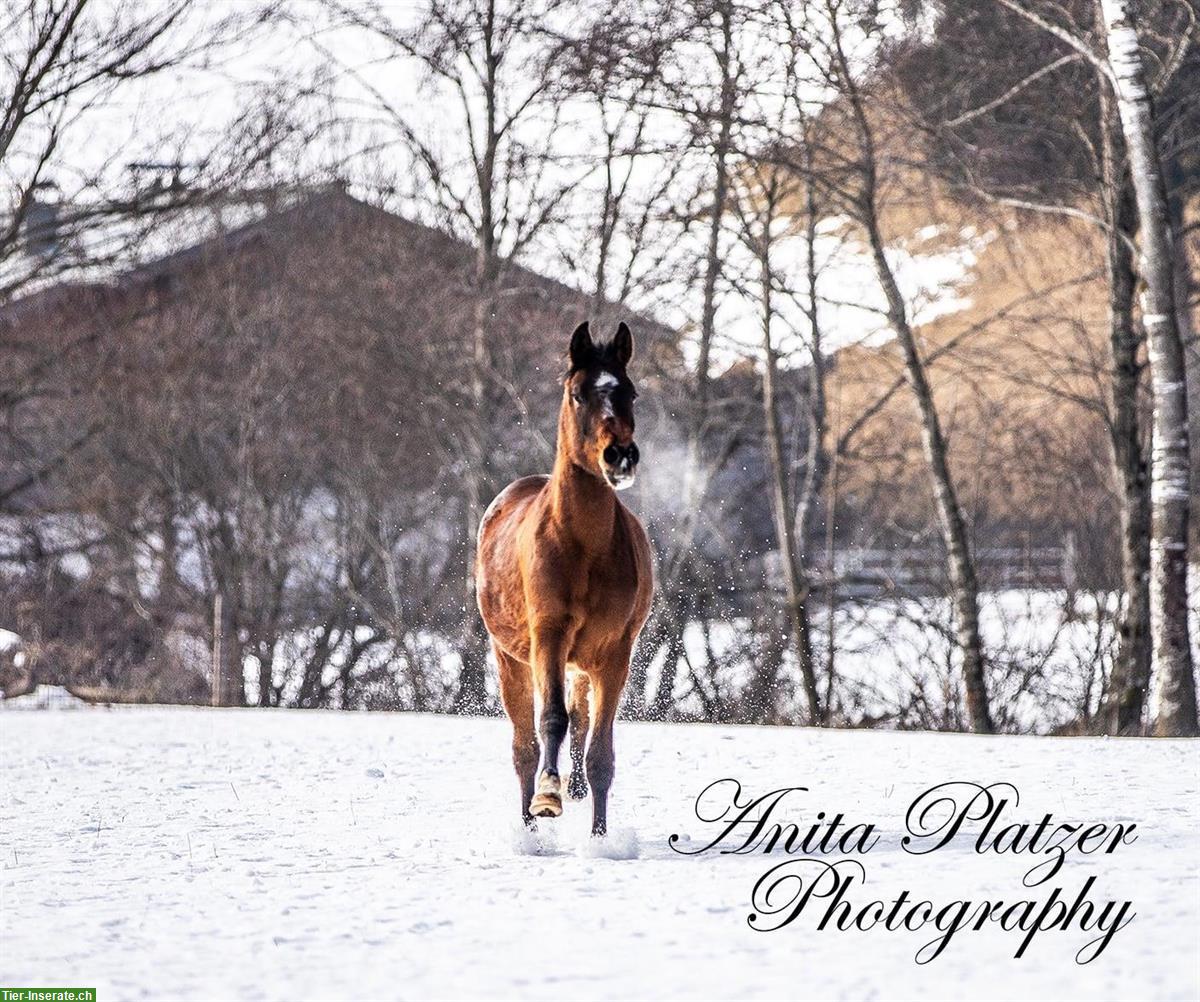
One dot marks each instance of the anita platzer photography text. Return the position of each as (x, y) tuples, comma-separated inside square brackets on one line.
[(639, 499)]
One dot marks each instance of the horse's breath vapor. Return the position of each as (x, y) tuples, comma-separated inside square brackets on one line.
[(564, 582)]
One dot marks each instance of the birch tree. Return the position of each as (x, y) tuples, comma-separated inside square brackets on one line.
[(1018, 110), (1170, 459), (1130, 679), (775, 212), (1170, 487)]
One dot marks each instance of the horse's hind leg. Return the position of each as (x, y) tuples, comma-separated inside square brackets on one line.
[(577, 710), (516, 692)]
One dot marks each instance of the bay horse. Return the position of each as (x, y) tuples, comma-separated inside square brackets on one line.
[(564, 582)]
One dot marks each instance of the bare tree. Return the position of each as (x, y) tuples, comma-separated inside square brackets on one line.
[(1170, 490), (766, 191), (615, 64), (710, 110), (1122, 69), (65, 62), (830, 51), (501, 183), (989, 122)]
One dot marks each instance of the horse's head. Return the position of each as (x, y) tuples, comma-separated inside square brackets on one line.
[(597, 415)]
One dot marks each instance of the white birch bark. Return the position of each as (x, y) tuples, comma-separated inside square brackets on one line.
[(1170, 488)]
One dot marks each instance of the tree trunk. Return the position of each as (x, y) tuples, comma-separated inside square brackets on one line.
[(1125, 703), (817, 458), (266, 672), (1176, 179), (471, 696), (1170, 461), (817, 455), (228, 579), (231, 690), (651, 641), (1131, 671), (712, 264), (795, 577), (961, 564), (664, 694), (760, 702)]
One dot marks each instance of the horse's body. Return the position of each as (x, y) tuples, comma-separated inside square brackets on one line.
[(564, 582)]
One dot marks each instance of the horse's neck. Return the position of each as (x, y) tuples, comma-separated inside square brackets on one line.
[(582, 504)]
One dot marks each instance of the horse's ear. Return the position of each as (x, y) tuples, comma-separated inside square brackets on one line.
[(623, 344), (581, 346)]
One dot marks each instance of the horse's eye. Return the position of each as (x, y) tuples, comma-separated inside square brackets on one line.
[(577, 396)]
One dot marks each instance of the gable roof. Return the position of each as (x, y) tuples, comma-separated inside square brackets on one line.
[(306, 222)]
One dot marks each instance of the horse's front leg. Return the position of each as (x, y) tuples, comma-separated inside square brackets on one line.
[(606, 698), (549, 650)]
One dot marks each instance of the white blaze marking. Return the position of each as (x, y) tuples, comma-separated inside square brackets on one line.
[(604, 384)]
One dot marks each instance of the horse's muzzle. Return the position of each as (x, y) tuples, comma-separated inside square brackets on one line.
[(620, 464)]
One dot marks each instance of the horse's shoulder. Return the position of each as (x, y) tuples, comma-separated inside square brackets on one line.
[(533, 482), (514, 493), (526, 487)]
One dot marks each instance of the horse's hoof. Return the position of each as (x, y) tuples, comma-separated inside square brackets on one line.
[(547, 803), (577, 787)]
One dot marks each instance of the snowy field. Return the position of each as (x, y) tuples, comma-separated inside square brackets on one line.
[(189, 853)]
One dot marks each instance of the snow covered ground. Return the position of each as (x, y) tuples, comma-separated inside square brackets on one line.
[(192, 853)]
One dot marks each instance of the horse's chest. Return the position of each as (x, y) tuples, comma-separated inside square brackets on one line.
[(604, 594), (604, 604)]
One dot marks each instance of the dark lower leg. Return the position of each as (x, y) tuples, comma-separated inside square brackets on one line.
[(552, 729), (606, 694), (577, 787), (547, 797), (525, 760), (600, 761)]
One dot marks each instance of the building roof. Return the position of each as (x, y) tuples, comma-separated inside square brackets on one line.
[(305, 221)]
